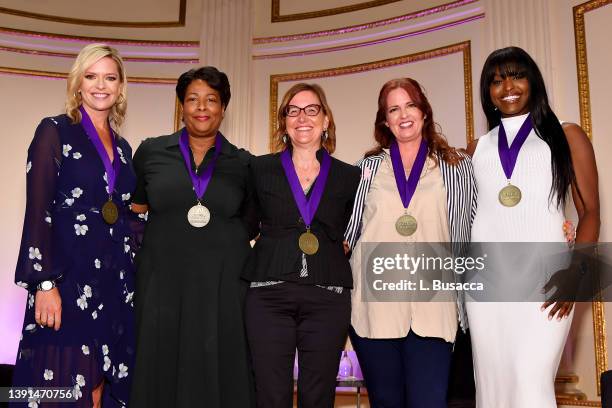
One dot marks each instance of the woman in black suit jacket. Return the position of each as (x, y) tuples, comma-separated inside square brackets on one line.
[(300, 283)]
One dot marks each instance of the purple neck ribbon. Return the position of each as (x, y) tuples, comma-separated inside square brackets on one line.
[(509, 155), (199, 181), (307, 208), (407, 187), (112, 170)]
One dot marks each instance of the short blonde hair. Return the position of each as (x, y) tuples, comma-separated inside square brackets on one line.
[(89, 55), (277, 139)]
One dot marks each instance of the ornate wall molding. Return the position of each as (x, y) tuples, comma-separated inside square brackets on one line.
[(276, 17), (582, 70), (373, 42), (178, 115), (366, 26), (578, 403), (63, 75), (582, 66), (76, 38), (131, 24), (74, 55), (463, 47)]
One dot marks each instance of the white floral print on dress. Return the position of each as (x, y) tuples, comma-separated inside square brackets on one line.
[(34, 253), (123, 371), (85, 349), (80, 380), (76, 192), (82, 302), (65, 149), (77, 392), (77, 155), (107, 363), (80, 229), (48, 375)]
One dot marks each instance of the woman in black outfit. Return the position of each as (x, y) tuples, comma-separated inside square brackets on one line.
[(191, 346), (299, 292)]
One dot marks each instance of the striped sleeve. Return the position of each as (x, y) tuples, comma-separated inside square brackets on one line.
[(369, 167), (461, 200)]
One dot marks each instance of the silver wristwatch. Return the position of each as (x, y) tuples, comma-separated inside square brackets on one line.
[(46, 285)]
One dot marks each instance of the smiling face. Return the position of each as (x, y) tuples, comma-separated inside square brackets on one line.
[(100, 85), (305, 130), (403, 117), (202, 109), (510, 93)]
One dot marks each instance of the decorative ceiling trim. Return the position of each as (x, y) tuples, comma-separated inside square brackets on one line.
[(372, 42), (131, 24), (71, 55), (366, 26), (76, 38), (463, 47), (63, 75), (276, 17)]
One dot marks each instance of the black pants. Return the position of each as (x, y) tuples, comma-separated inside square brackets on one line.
[(284, 316)]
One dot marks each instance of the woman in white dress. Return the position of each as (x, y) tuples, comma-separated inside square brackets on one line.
[(517, 346)]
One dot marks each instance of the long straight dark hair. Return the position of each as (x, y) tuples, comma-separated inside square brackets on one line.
[(514, 61)]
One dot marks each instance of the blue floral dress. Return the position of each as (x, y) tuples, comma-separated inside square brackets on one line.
[(65, 239)]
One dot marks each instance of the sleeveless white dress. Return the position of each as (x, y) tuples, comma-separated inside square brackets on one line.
[(516, 349)]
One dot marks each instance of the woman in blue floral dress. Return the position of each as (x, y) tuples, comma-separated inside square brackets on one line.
[(76, 249)]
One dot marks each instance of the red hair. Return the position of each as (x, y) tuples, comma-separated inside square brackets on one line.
[(438, 146)]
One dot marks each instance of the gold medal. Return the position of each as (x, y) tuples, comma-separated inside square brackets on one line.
[(510, 195), (406, 225), (198, 216), (308, 243), (110, 212)]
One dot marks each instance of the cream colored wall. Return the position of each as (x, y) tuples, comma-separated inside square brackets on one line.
[(353, 98)]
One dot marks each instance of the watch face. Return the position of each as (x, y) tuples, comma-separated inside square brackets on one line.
[(46, 285)]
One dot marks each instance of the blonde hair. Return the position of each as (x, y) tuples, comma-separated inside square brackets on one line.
[(89, 55), (328, 144)]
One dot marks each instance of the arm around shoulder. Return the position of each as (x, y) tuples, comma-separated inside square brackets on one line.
[(471, 147), (585, 190)]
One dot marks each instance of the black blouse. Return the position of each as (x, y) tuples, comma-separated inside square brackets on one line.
[(277, 255)]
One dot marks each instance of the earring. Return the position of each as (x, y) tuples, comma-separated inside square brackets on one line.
[(285, 138), (494, 107), (325, 135)]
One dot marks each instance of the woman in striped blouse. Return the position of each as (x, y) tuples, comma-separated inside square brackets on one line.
[(414, 188)]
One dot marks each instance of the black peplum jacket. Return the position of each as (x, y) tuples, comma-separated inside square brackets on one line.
[(277, 255)]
